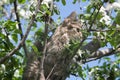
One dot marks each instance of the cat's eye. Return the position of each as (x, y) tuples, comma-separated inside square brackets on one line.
[(69, 28), (78, 30)]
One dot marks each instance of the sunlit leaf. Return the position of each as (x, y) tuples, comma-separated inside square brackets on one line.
[(2, 36), (15, 37), (35, 49), (17, 31), (21, 1), (28, 41), (10, 25), (83, 0), (64, 2)]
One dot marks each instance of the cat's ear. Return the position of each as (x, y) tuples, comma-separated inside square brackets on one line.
[(73, 16)]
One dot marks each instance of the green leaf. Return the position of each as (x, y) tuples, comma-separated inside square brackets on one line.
[(35, 24), (83, 0), (11, 1), (107, 59), (48, 12), (64, 2), (28, 41), (44, 7), (89, 8), (81, 72), (117, 19), (74, 1), (2, 36), (35, 49), (10, 25), (17, 31), (32, 8), (21, 1), (57, 11), (57, 0), (15, 37), (111, 1)]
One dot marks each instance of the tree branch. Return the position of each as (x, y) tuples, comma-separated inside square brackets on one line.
[(106, 30), (47, 22), (3, 59), (19, 26), (97, 54), (100, 53), (51, 72), (42, 77)]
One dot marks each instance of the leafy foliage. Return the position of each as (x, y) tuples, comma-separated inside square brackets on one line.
[(100, 24)]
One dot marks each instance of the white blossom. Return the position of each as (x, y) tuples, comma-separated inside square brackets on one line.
[(47, 2), (3, 67), (108, 8), (79, 52), (116, 69), (91, 72), (106, 19), (22, 12), (33, 3), (114, 5), (16, 74), (3, 2), (103, 10), (25, 14)]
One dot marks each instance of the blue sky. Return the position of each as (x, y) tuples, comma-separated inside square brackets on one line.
[(68, 8)]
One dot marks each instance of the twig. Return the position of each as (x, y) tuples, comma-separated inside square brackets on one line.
[(47, 21), (94, 18), (90, 18), (19, 26), (42, 77), (51, 71), (3, 59)]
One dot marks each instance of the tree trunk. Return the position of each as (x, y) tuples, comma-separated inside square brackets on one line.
[(31, 71)]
